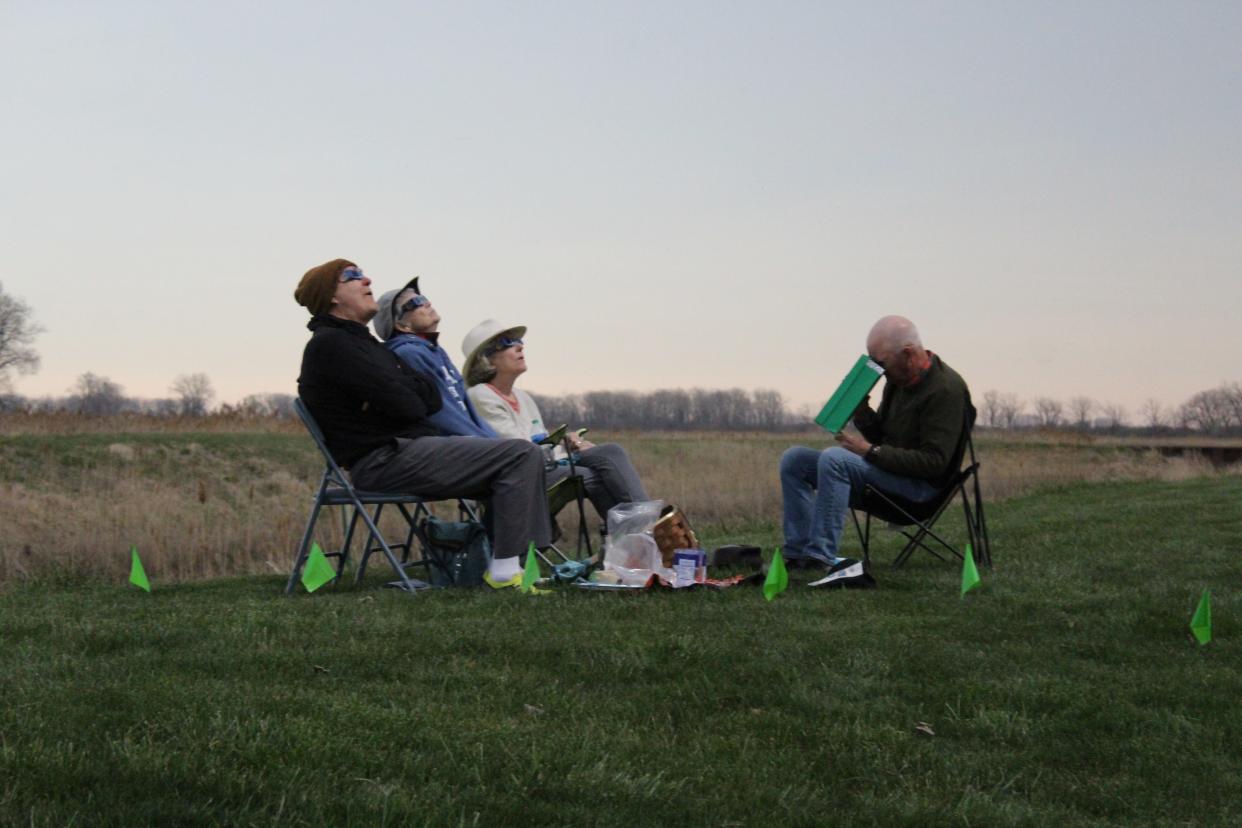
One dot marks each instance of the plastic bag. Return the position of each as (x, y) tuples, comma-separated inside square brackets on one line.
[(630, 550), (633, 518)]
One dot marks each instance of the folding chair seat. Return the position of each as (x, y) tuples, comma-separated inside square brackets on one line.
[(336, 489), (916, 520)]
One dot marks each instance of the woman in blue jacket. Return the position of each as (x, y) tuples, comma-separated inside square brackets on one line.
[(409, 325)]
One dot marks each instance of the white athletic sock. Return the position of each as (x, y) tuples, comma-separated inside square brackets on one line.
[(502, 569)]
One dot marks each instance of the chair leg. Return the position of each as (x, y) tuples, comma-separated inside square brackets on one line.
[(584, 534), (347, 533), (300, 559), (972, 535), (407, 583), (428, 555), (914, 542), (863, 537), (369, 546), (925, 530), (985, 541)]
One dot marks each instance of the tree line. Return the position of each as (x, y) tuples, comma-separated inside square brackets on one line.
[(1216, 411), (678, 409), (192, 396)]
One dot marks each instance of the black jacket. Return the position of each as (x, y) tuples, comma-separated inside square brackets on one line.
[(360, 393)]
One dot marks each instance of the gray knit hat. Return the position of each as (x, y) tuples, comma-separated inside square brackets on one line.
[(387, 316)]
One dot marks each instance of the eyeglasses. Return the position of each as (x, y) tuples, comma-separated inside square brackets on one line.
[(894, 358), (413, 303), (503, 343), (352, 274)]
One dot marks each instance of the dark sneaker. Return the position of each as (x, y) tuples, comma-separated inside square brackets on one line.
[(806, 564), (845, 574)]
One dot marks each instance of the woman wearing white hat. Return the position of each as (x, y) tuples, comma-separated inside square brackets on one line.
[(495, 358)]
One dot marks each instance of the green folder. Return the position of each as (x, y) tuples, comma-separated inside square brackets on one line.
[(853, 389)]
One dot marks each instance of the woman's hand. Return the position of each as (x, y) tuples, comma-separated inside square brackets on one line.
[(576, 443)]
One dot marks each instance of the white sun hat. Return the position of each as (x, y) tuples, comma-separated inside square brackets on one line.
[(474, 343)]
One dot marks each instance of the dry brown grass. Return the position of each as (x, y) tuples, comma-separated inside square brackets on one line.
[(724, 478), (231, 500)]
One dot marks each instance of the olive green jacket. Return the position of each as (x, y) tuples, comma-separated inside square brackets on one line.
[(920, 427)]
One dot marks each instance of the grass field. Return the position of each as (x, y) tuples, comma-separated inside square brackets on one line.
[(231, 498), (1063, 691)]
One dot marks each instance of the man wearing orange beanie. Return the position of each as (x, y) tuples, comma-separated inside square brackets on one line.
[(373, 410)]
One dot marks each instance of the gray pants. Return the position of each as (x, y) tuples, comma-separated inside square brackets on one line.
[(609, 476), (507, 473)]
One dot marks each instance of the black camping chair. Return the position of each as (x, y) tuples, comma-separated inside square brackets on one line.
[(567, 490), (335, 489), (915, 520), (570, 489)]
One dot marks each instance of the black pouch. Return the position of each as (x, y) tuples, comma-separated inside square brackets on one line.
[(459, 552), (736, 555)]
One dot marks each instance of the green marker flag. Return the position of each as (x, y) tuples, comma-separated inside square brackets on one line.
[(317, 571), (137, 575), (531, 573), (970, 574), (778, 578), (1201, 623)]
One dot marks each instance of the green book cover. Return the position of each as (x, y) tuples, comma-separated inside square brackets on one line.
[(856, 385)]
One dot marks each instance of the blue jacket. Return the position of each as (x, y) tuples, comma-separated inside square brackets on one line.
[(458, 416)]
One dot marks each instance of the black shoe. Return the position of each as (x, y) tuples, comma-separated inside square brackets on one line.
[(848, 573), (803, 564)]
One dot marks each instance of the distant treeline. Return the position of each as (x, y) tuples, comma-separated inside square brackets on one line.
[(697, 409), (1217, 411)]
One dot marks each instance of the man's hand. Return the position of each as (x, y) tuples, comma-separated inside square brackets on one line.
[(853, 442)]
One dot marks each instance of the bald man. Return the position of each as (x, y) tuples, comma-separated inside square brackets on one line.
[(906, 448)]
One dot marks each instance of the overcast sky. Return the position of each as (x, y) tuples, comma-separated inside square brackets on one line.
[(668, 194)]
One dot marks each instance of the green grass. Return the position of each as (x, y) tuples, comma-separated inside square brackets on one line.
[(1065, 690)]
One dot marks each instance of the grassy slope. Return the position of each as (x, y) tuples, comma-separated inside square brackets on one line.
[(1065, 690)]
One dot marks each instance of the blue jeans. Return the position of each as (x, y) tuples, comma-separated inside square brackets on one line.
[(818, 487)]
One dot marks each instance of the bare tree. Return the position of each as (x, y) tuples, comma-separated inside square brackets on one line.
[(96, 395), (270, 405), (17, 333), (991, 409), (161, 407), (1080, 411), (1009, 408), (1049, 412), (1232, 396), (1113, 415), (769, 408), (1153, 413), (1211, 411), (195, 393)]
